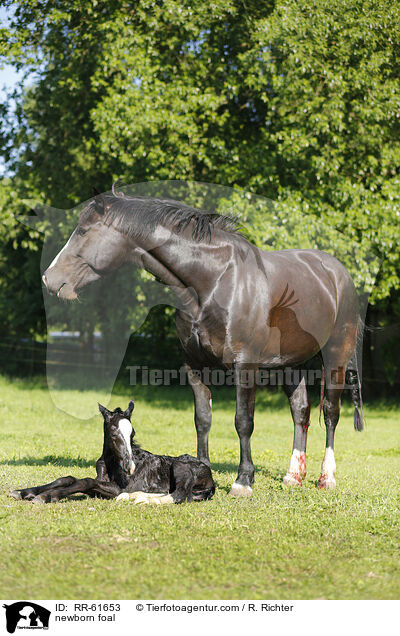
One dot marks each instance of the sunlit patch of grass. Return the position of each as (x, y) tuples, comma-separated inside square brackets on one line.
[(281, 543)]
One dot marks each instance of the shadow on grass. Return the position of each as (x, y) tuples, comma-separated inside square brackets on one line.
[(60, 460), (228, 467), (54, 460), (173, 396)]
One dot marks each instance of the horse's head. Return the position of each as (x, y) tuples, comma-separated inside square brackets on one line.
[(118, 435), (93, 249)]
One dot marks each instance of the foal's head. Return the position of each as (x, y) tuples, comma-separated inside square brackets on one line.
[(118, 435)]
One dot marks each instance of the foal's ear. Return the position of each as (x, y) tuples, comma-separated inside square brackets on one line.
[(129, 410), (103, 410)]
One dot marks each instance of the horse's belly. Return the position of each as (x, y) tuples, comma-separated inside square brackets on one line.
[(292, 338)]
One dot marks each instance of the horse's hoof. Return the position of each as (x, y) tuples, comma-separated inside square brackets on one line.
[(238, 490), (292, 479), (326, 483), (123, 496), (15, 494)]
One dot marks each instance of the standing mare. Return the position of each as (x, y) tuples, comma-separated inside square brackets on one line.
[(241, 308)]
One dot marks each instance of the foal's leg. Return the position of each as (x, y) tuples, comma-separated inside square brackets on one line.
[(202, 414), (101, 470), (244, 423), (184, 481), (30, 493), (139, 497), (300, 408), (87, 486)]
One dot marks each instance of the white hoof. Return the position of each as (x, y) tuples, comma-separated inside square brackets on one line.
[(328, 471), (140, 497), (292, 479), (151, 498), (124, 496), (326, 483), (15, 494), (237, 490)]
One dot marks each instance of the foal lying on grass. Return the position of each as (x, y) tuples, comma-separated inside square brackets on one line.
[(125, 471)]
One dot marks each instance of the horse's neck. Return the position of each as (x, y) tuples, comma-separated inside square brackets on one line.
[(190, 269)]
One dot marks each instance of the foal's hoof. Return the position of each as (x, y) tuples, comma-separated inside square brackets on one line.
[(39, 499), (124, 496), (292, 479), (238, 490), (15, 494), (326, 483)]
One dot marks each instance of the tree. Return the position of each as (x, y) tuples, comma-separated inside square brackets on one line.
[(298, 102)]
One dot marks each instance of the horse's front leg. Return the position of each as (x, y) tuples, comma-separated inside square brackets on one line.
[(244, 423), (202, 414)]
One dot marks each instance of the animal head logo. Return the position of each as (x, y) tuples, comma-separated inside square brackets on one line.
[(26, 615)]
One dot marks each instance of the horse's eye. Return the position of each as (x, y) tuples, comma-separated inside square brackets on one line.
[(81, 231)]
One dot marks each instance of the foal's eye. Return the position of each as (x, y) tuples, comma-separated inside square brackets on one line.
[(81, 231)]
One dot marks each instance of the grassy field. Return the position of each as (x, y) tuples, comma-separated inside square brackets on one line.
[(281, 543)]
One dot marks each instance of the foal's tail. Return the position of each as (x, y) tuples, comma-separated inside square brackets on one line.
[(354, 383), (202, 495)]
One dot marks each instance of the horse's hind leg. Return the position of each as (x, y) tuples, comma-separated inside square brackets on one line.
[(300, 408), (336, 356), (30, 493), (331, 410)]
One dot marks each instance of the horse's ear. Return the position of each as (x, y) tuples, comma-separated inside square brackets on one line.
[(129, 410), (103, 410), (100, 201)]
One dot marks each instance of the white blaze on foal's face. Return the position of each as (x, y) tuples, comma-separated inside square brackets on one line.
[(125, 428)]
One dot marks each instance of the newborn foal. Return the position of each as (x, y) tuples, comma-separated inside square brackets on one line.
[(125, 471)]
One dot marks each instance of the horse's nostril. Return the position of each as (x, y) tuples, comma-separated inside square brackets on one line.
[(44, 280)]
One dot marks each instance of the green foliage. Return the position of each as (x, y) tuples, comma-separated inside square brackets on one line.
[(298, 102), (21, 306)]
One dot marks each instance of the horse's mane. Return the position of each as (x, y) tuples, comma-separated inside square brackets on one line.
[(139, 216)]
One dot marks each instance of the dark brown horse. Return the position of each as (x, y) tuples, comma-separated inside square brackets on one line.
[(241, 308)]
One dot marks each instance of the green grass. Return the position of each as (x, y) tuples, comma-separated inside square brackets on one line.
[(282, 543)]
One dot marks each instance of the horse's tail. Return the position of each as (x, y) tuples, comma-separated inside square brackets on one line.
[(353, 380), (354, 383)]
